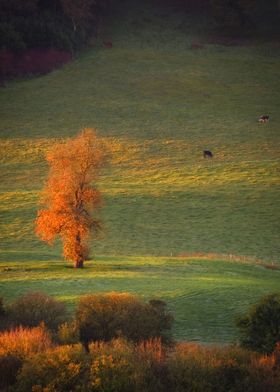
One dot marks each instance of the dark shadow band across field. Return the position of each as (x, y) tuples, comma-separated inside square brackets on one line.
[(204, 294)]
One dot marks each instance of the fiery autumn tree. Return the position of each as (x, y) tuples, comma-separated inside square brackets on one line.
[(69, 197)]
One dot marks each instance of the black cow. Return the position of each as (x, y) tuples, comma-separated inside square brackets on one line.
[(264, 118), (207, 154)]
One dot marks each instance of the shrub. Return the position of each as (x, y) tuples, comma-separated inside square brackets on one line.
[(68, 333), (188, 369), (3, 316), (276, 354), (104, 317), (15, 346), (162, 320), (151, 362), (2, 309), (22, 342), (109, 367), (9, 367), (112, 370), (222, 369), (260, 327), (122, 366), (34, 308), (61, 369), (10, 38)]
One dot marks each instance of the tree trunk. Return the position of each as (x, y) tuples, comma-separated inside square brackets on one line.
[(79, 263), (74, 26)]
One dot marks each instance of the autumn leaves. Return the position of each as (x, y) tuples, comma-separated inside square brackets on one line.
[(70, 197)]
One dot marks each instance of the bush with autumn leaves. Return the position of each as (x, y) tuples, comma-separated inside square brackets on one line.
[(123, 366), (118, 343)]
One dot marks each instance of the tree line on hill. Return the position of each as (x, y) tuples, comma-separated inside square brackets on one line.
[(246, 15), (236, 17), (62, 24), (69, 24), (38, 36)]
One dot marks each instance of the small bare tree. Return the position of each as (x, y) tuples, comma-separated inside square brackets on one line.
[(70, 197)]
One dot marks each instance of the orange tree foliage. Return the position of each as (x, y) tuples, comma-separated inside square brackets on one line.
[(69, 196)]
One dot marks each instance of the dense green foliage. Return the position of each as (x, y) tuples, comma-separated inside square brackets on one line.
[(104, 317), (236, 17), (61, 24), (260, 327), (69, 24), (245, 15)]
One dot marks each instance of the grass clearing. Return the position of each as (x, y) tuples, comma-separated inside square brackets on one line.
[(159, 104), (161, 197), (204, 294)]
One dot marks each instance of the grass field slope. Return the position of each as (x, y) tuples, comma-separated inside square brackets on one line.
[(160, 104), (205, 295)]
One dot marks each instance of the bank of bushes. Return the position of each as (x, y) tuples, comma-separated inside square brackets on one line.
[(99, 317), (118, 343), (123, 366)]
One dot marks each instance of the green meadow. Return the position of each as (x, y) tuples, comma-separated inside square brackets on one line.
[(204, 295), (196, 232)]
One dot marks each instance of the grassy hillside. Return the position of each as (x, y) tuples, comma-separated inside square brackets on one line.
[(203, 294), (159, 103)]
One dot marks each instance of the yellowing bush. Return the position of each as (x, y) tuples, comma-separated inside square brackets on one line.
[(22, 342), (123, 366), (61, 369), (34, 308), (110, 374), (68, 333), (17, 345), (113, 315), (205, 369)]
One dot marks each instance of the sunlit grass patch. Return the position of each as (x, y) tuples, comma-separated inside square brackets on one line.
[(203, 294), (188, 206), (23, 150), (14, 200)]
